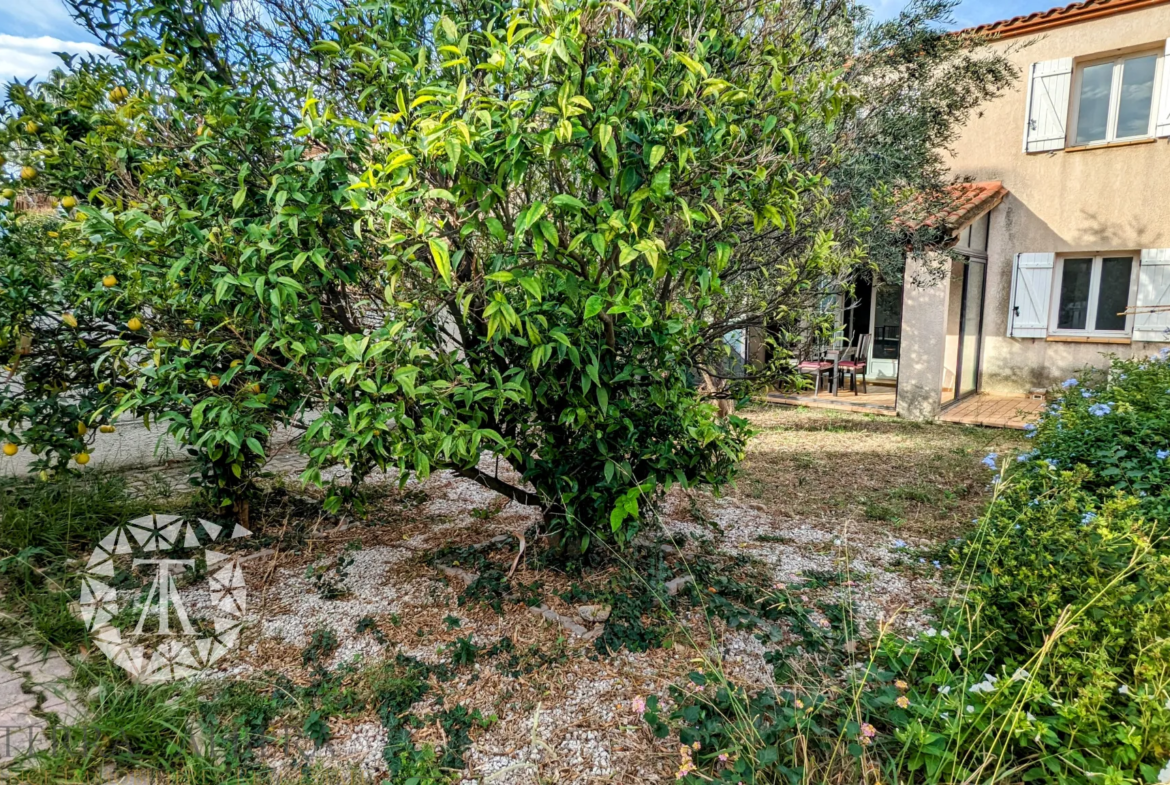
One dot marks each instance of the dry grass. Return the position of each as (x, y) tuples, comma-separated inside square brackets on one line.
[(917, 479)]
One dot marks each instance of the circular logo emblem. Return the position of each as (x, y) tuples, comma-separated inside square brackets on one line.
[(183, 603)]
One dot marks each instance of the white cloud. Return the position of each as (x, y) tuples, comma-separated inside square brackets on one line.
[(22, 58)]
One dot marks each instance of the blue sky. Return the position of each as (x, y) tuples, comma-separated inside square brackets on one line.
[(31, 30)]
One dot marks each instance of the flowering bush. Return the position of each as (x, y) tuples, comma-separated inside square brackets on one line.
[(1059, 664)]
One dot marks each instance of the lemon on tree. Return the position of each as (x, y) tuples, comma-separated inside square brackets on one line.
[(82, 458), (27, 173), (135, 324), (10, 449), (69, 202), (109, 280)]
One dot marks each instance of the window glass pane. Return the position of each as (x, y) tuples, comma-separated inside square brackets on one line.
[(1093, 115), (1113, 296), (1074, 294), (1137, 90)]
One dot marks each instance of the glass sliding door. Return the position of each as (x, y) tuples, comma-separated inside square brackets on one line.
[(971, 328)]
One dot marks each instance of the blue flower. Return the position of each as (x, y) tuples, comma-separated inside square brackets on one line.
[(1051, 463), (989, 461), (1054, 409), (1024, 456), (1087, 518), (937, 566), (1029, 430), (899, 543), (1086, 393), (1068, 383), (1162, 454), (1100, 409)]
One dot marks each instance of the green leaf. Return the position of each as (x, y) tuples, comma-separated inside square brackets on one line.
[(564, 200), (656, 153), (593, 306), (238, 199), (441, 257)]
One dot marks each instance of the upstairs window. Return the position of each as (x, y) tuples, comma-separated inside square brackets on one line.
[(1097, 100), (1114, 99)]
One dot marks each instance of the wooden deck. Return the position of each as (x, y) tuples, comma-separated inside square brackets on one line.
[(994, 411), (879, 400)]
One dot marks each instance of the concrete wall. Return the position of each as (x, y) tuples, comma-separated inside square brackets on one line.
[(131, 445), (1091, 200)]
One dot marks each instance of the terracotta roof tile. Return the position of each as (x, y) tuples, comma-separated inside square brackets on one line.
[(1056, 17), (969, 201)]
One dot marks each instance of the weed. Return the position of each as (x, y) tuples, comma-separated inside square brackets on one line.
[(321, 647), (316, 727), (329, 580), (462, 651), (368, 624), (452, 622)]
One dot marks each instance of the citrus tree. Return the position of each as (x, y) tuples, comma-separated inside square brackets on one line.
[(430, 235)]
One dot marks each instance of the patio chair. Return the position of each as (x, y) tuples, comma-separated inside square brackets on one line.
[(826, 364), (856, 364)]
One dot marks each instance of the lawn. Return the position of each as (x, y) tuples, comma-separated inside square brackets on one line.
[(421, 620)]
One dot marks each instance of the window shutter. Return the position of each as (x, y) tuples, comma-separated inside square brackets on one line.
[(1048, 91), (1153, 290), (1031, 288), (1162, 125)]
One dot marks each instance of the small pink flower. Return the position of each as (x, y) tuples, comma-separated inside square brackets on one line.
[(639, 705), (868, 731), (723, 757), (902, 701), (696, 746), (903, 686), (799, 704)]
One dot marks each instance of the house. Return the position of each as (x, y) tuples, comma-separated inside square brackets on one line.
[(1062, 223)]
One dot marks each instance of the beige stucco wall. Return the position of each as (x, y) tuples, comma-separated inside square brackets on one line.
[(924, 333), (1103, 199)]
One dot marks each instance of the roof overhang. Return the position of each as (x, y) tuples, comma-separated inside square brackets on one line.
[(1042, 21)]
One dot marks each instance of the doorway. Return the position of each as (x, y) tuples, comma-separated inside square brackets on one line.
[(964, 343)]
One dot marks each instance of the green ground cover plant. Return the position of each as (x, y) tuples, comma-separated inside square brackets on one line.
[(1049, 661)]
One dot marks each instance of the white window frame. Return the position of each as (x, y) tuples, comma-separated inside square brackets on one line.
[(1114, 98), (1094, 291)]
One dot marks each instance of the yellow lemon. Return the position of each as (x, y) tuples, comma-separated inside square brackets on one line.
[(69, 319), (82, 458), (8, 193), (10, 449), (109, 281), (106, 428), (213, 381), (27, 173), (82, 429), (69, 202), (118, 94), (31, 127), (134, 324)]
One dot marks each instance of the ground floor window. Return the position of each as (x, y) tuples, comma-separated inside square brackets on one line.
[(1093, 295)]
